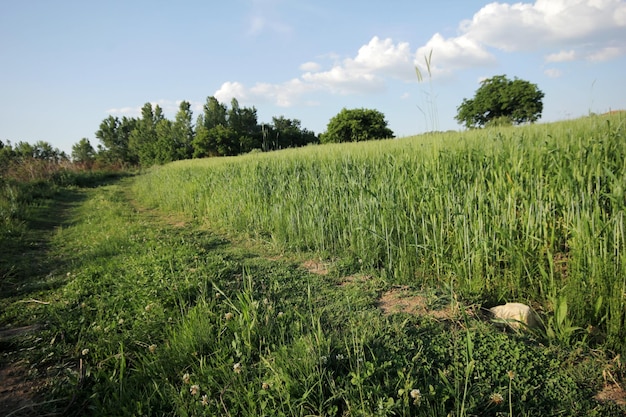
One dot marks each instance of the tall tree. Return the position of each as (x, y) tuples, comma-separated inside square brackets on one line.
[(356, 125), (83, 153), (499, 100), (183, 131), (288, 133), (114, 135), (243, 122), (143, 139)]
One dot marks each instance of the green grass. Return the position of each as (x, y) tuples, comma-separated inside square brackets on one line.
[(531, 214), (160, 312)]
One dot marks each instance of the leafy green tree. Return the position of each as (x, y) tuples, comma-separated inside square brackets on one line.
[(226, 139), (143, 139), (499, 101), (243, 121), (356, 125), (288, 133), (83, 153), (114, 136), (183, 131), (214, 114)]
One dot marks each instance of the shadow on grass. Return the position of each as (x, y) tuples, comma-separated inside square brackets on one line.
[(27, 263)]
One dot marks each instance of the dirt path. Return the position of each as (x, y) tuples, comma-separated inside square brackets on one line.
[(26, 274)]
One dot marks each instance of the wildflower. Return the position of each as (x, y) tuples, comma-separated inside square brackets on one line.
[(340, 357), (205, 400), (265, 386), (324, 359), (416, 395), (511, 374), (194, 389), (218, 295), (85, 352), (280, 314), (228, 316), (83, 305), (186, 378), (152, 348), (237, 368), (120, 321), (496, 398), (148, 308)]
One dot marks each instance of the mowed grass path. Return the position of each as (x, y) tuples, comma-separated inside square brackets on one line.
[(151, 314)]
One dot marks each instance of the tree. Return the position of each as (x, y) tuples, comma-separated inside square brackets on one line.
[(243, 122), (183, 131), (114, 134), (83, 153), (143, 140), (356, 125), (499, 100), (288, 133)]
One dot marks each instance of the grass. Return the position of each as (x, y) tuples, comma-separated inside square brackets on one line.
[(146, 311), (532, 214)]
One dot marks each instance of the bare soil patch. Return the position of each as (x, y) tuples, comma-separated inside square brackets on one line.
[(400, 300), (316, 267), (17, 391), (612, 392)]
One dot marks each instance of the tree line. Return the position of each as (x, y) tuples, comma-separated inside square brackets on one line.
[(227, 131), (218, 131)]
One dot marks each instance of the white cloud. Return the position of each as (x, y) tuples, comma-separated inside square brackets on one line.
[(365, 73), (562, 56), (310, 66), (606, 54), (553, 72), (581, 29), (452, 54), (230, 90)]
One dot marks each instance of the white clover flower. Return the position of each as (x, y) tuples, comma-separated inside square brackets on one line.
[(85, 352), (120, 321), (205, 400), (228, 316), (265, 386), (186, 378), (194, 389), (340, 357), (496, 398), (152, 348), (416, 395), (280, 314), (237, 368)]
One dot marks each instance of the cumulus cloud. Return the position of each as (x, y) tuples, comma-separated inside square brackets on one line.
[(366, 72), (310, 66), (581, 29), (452, 54), (561, 56)]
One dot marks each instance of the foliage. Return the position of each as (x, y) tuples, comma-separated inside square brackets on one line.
[(500, 101), (356, 125), (84, 153)]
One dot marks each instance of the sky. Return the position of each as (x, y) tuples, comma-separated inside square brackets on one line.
[(67, 65)]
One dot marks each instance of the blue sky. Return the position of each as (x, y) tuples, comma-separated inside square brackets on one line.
[(66, 65)]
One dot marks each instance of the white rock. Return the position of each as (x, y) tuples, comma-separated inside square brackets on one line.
[(514, 314)]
